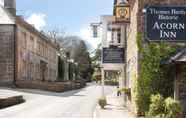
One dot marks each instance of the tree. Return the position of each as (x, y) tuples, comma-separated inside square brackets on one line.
[(79, 52), (97, 56), (56, 34)]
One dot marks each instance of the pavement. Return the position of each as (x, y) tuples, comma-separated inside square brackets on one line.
[(114, 109), (43, 104), (4, 95)]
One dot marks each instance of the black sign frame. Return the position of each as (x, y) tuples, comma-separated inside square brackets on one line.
[(162, 39), (110, 60)]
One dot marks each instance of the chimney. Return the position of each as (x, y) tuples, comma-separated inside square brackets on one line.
[(10, 5)]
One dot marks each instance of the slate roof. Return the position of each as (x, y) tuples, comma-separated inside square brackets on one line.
[(18, 20), (29, 27), (177, 57)]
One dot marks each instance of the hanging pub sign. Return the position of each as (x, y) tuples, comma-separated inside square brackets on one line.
[(113, 55), (166, 23), (122, 13)]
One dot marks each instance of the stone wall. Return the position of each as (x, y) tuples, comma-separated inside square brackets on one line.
[(36, 57), (132, 54), (6, 55), (181, 85), (10, 101), (51, 86)]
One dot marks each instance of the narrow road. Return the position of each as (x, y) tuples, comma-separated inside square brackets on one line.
[(42, 104)]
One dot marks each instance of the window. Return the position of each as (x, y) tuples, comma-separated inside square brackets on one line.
[(116, 36), (24, 39), (24, 68), (112, 39), (31, 45), (95, 31), (119, 36)]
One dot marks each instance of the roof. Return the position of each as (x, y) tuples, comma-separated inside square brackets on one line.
[(179, 56), (8, 18), (23, 23)]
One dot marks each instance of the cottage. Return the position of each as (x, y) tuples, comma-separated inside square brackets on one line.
[(26, 54)]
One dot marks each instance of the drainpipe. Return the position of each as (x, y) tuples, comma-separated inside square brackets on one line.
[(15, 55)]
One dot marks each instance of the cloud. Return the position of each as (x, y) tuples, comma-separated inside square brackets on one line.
[(85, 34), (37, 19), (1, 2)]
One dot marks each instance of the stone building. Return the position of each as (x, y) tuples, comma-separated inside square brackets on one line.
[(25, 53), (137, 25)]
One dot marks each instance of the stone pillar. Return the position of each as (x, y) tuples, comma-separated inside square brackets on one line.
[(66, 71)]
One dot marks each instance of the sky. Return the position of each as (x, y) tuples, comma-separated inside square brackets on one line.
[(74, 16)]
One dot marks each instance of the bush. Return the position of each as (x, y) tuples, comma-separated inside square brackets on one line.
[(112, 82), (126, 90), (102, 102), (164, 108), (173, 108), (154, 77), (156, 106)]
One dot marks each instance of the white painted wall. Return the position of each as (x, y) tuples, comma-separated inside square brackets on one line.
[(106, 22), (5, 16)]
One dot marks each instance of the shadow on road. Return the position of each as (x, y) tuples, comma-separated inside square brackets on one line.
[(46, 93), (78, 92)]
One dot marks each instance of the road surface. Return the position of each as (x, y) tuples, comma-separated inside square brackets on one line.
[(42, 104)]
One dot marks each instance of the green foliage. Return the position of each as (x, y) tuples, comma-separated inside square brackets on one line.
[(97, 54), (173, 108), (156, 106), (102, 102), (78, 51), (112, 82), (126, 90), (164, 108), (154, 77), (71, 70)]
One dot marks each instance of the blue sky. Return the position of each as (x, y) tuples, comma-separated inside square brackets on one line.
[(71, 14), (74, 15)]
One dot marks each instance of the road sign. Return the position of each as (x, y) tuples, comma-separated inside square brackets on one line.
[(113, 55), (166, 23)]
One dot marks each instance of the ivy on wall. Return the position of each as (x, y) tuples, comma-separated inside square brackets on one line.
[(154, 77)]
